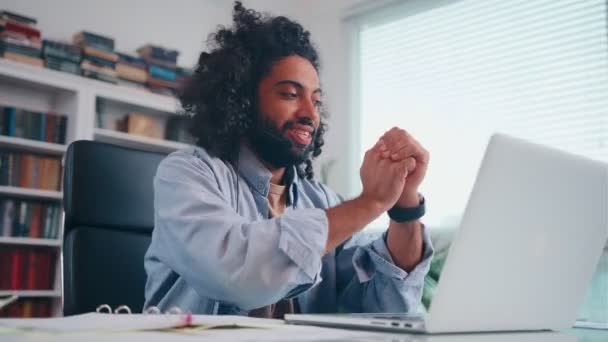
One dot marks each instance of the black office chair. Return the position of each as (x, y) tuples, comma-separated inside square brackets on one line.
[(109, 217)]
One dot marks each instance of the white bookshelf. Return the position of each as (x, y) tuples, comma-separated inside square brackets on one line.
[(136, 97), (29, 241), (44, 90), (27, 193), (42, 78), (31, 293), (32, 145)]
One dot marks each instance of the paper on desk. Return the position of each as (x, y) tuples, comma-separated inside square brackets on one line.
[(136, 322)]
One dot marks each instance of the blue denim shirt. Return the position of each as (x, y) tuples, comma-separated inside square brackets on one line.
[(214, 250)]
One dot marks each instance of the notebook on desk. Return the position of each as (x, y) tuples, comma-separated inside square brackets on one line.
[(529, 241), (125, 322)]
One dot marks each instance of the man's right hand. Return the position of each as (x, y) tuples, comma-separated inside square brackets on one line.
[(382, 178)]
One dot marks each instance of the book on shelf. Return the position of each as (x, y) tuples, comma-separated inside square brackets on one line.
[(161, 73), (133, 61), (29, 218), (128, 72), (27, 267), (61, 64), (99, 62), (63, 50), (26, 170), (22, 123), (159, 54), (99, 53), (140, 124), (23, 59), (22, 48), (28, 308), (23, 29), (94, 40), (99, 72), (16, 17), (20, 40)]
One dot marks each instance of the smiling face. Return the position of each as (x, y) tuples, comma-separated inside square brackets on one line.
[(289, 98)]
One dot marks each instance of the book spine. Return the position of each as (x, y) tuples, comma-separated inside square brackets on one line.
[(162, 73), (20, 28), (16, 269), (6, 15)]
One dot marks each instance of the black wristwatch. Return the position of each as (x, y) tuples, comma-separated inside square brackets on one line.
[(407, 214)]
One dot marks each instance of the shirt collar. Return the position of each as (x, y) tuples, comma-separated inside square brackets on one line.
[(258, 176)]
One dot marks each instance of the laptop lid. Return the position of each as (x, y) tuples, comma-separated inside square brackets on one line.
[(528, 244)]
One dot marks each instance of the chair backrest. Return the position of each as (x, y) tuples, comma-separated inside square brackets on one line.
[(109, 217)]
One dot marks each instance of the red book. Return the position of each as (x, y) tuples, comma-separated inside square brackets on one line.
[(34, 260), (47, 263), (28, 31), (4, 269), (36, 226), (50, 127), (17, 266)]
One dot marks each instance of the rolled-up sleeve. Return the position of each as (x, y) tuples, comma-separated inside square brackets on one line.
[(223, 255), (367, 279), (371, 282)]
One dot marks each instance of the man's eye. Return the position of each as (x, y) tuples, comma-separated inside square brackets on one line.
[(319, 103), (289, 95)]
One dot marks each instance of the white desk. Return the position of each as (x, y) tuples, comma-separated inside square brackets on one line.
[(300, 333)]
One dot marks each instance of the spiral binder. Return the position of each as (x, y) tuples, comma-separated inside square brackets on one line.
[(151, 310)]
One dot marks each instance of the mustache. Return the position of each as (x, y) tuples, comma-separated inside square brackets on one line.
[(269, 132), (303, 121)]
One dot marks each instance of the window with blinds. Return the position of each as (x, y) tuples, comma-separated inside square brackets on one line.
[(453, 72)]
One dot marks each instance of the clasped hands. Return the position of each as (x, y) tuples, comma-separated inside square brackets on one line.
[(393, 169)]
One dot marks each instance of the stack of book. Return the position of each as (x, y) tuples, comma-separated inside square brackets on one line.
[(98, 56), (27, 170), (20, 39), (28, 308), (30, 219), (132, 71), (61, 56), (162, 68), (22, 123), (28, 268)]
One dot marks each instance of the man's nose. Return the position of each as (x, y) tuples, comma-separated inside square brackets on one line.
[(309, 110)]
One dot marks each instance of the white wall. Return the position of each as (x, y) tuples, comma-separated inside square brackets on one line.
[(181, 24), (185, 24)]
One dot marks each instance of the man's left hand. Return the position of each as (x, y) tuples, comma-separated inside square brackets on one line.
[(399, 146)]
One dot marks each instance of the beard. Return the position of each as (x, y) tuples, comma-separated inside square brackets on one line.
[(274, 147)]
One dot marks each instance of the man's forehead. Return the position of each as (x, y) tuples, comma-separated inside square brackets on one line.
[(296, 69)]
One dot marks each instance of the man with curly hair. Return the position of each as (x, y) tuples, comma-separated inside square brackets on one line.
[(241, 225)]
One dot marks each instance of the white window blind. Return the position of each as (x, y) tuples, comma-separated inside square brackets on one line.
[(453, 72)]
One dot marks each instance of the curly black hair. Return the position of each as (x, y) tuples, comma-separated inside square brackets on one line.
[(221, 98)]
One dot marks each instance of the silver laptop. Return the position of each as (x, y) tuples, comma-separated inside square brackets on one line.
[(529, 241)]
